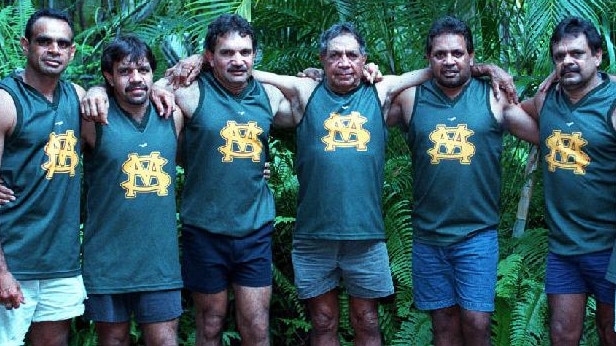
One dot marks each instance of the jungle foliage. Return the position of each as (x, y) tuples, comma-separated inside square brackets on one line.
[(513, 34)]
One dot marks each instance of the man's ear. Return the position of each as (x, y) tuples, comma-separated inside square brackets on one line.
[(598, 57), (209, 57), (108, 78), (24, 45)]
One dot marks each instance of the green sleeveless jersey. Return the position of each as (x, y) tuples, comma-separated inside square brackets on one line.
[(456, 146), (224, 152), (578, 146), (130, 235), (40, 229), (340, 161)]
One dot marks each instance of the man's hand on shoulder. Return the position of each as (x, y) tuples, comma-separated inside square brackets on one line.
[(94, 106), (501, 80), (185, 71)]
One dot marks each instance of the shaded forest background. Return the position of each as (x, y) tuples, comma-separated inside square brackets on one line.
[(513, 34)]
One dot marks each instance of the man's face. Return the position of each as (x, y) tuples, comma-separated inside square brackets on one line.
[(575, 65), (50, 48), (232, 60), (343, 63), (131, 81), (450, 61)]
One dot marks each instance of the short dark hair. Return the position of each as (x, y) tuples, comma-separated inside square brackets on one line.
[(125, 46), (449, 25), (225, 24), (47, 12), (573, 27), (338, 30)]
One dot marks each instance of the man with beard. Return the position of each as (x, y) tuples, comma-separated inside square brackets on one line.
[(41, 287), (455, 134), (577, 118), (130, 248)]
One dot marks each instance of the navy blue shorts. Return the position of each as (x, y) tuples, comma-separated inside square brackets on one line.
[(577, 274), (211, 262), (147, 307)]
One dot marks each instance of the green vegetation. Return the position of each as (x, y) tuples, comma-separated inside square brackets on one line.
[(513, 34)]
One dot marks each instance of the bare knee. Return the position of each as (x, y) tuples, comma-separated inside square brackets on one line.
[(365, 317), (49, 333)]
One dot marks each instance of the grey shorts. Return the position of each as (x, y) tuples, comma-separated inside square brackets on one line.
[(363, 266), (147, 307)]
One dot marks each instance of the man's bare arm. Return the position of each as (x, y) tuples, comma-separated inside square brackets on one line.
[(11, 295)]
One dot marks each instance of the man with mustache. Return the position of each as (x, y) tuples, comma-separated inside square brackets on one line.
[(455, 133), (227, 208), (130, 247), (577, 118), (41, 287)]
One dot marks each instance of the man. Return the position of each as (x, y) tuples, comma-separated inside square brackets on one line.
[(227, 208), (339, 230), (455, 128), (40, 283), (577, 121), (130, 248)]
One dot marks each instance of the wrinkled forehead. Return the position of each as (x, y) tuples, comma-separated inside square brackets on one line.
[(133, 61), (343, 43), (571, 41), (233, 40)]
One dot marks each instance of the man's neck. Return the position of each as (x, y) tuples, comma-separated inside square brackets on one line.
[(44, 84), (576, 93)]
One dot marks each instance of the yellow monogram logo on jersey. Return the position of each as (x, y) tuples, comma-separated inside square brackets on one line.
[(346, 131), (451, 143), (145, 175), (61, 155), (242, 141), (566, 152)]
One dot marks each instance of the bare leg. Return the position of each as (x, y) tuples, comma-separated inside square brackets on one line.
[(210, 312), (161, 333), (53, 333), (252, 306), (566, 318), (447, 326), (365, 321), (324, 316), (113, 334), (476, 327), (605, 324)]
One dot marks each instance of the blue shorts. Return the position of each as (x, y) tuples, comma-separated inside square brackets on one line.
[(147, 307), (580, 274), (45, 300), (461, 274), (211, 262), (363, 266)]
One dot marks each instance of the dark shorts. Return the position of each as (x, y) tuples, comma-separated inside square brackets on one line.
[(147, 307), (211, 262), (580, 274)]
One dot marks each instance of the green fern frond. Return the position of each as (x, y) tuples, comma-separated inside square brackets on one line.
[(417, 331), (529, 316)]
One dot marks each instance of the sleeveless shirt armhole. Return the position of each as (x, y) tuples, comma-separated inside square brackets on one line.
[(314, 91), (487, 91), (608, 119), (415, 102), (376, 94), (19, 115), (202, 86)]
